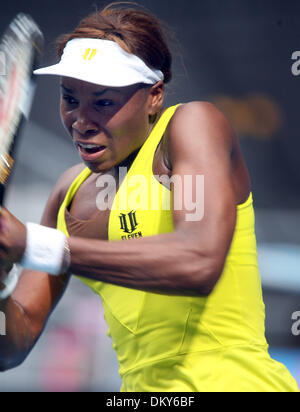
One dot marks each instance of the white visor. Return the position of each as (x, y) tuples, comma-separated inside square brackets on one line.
[(102, 62)]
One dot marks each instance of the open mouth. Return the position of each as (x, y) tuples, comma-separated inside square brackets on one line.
[(90, 152), (90, 148)]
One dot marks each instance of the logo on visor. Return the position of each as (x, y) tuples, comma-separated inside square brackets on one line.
[(89, 54)]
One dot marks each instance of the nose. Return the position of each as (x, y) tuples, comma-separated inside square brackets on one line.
[(84, 125)]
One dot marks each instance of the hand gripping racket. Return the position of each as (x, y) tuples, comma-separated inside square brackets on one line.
[(20, 50)]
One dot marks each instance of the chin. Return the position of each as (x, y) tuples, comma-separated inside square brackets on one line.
[(99, 168)]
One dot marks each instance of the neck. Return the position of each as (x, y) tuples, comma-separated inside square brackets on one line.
[(129, 160)]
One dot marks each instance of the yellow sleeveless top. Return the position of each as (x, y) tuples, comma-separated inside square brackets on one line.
[(184, 344)]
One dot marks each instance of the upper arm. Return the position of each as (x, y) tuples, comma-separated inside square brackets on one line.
[(199, 145), (38, 292)]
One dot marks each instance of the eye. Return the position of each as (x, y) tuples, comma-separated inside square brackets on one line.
[(69, 100), (104, 103)]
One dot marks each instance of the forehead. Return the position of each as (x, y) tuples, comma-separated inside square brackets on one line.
[(79, 85), (72, 85)]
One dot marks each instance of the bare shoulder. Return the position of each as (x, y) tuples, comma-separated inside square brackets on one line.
[(201, 108), (58, 194), (198, 127), (66, 179), (202, 115)]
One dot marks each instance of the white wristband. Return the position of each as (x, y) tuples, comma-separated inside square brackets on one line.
[(45, 248), (10, 282)]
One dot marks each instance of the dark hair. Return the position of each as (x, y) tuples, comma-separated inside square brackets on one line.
[(136, 31)]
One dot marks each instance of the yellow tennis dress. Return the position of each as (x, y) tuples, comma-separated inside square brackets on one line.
[(184, 344)]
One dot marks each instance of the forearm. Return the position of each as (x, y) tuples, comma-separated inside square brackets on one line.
[(17, 341), (164, 264)]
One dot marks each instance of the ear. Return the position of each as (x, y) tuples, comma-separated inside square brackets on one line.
[(156, 98)]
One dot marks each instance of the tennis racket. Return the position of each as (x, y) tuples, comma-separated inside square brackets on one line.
[(20, 50)]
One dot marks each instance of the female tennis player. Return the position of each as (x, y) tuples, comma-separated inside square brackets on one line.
[(180, 285)]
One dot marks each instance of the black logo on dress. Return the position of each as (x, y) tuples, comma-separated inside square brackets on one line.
[(128, 222)]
